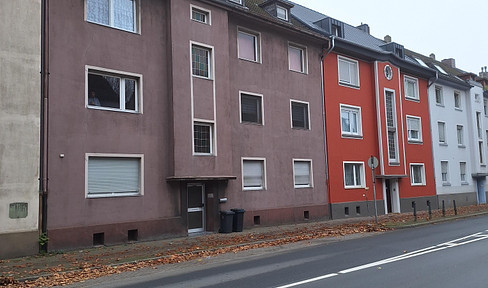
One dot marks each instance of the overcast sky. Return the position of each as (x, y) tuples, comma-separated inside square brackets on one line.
[(447, 28)]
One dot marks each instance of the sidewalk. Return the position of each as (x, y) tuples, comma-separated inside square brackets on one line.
[(79, 265)]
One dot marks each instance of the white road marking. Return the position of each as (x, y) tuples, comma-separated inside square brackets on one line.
[(450, 244)]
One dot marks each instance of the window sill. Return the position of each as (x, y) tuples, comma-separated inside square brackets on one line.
[(202, 77), (458, 109), (412, 99), (443, 144), (354, 187), (351, 136), (418, 142), (249, 60), (253, 189), (111, 109), (200, 22), (439, 105), (300, 128), (394, 163), (446, 184), (203, 154), (302, 187), (115, 28), (252, 123), (417, 184), (349, 85), (464, 183), (461, 146), (112, 195), (299, 72)]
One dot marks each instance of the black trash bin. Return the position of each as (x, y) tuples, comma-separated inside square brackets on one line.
[(238, 222), (226, 221)]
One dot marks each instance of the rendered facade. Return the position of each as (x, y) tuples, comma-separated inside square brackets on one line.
[(20, 57)]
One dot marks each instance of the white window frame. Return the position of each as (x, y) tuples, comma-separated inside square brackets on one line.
[(310, 175), (460, 135), (415, 82), (352, 109), (422, 171), (457, 106), (362, 171), (308, 114), (439, 123), (304, 57), (111, 17), (236, 1), (283, 9), (211, 137), (262, 107), (119, 74), (257, 44), (441, 95), (394, 128), (355, 83), (419, 119), (112, 155), (264, 178), (210, 60), (465, 180), (206, 12), (445, 180)]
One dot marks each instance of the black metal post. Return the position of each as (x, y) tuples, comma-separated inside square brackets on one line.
[(414, 206), (443, 209), (455, 209), (430, 210)]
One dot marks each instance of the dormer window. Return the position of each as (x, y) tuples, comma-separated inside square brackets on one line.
[(336, 30), (282, 13), (331, 26)]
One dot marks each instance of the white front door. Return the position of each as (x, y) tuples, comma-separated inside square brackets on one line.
[(196, 207)]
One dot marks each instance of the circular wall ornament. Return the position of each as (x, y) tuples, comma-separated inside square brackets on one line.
[(388, 72)]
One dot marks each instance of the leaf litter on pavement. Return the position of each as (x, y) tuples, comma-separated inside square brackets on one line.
[(78, 266)]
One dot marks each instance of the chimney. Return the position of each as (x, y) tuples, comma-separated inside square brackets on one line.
[(449, 62), (387, 38), (432, 56), (364, 27), (483, 73)]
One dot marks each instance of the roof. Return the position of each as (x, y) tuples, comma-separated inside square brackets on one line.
[(254, 8), (356, 42)]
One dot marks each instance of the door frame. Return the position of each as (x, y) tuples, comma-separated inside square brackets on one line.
[(196, 209), (394, 195)]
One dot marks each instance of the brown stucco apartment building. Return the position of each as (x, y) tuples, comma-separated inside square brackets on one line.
[(161, 113)]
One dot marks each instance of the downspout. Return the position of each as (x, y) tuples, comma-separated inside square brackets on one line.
[(322, 89), (43, 165), (430, 83)]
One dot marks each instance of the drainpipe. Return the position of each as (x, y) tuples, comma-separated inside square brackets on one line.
[(43, 166), (432, 81), (322, 57)]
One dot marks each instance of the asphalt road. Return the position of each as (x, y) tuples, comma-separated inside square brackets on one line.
[(452, 254)]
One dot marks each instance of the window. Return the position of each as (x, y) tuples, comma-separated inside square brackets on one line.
[(348, 71), (120, 14), (336, 30), (477, 98), (202, 138), (236, 1), (480, 150), (391, 126), (251, 108), (439, 100), (417, 174), (351, 121), (302, 172), (248, 45), (460, 135), (200, 60), (354, 175), (445, 172), (414, 128), (485, 107), (457, 100), (111, 90), (253, 174), (441, 126), (299, 115), (462, 171), (297, 58), (200, 15), (411, 88), (113, 175), (478, 125), (282, 13)]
